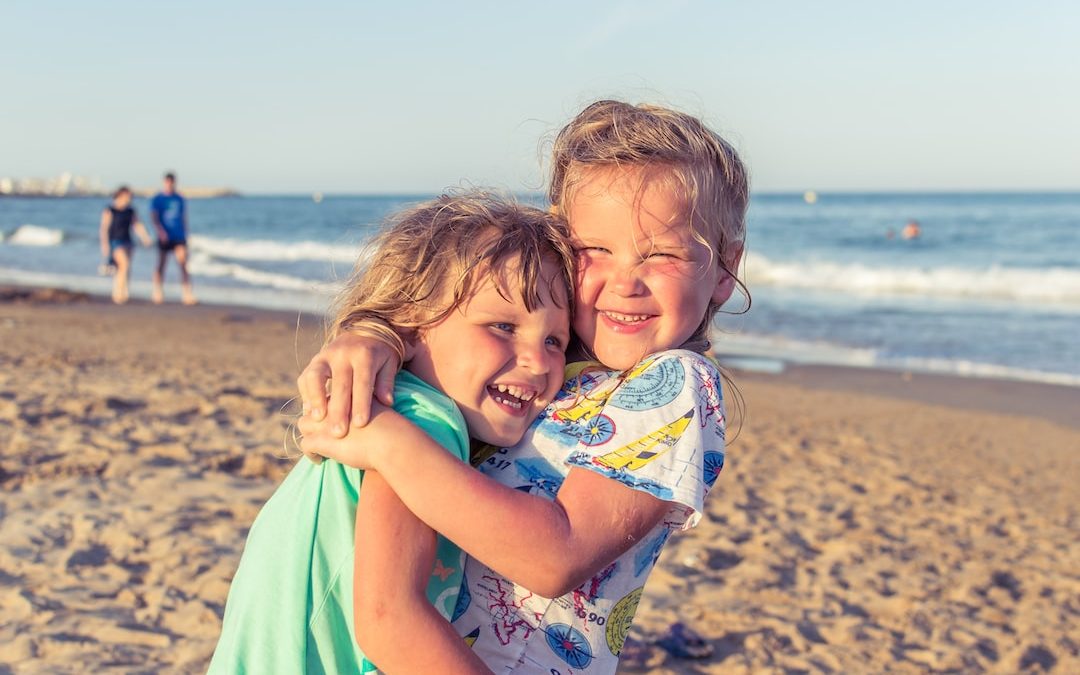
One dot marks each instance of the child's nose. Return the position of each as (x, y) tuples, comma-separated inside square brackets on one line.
[(533, 358), (626, 280)]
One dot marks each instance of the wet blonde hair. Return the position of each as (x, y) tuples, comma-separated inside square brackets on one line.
[(429, 259), (674, 151)]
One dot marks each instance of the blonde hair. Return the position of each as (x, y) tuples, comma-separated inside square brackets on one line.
[(430, 258), (675, 151)]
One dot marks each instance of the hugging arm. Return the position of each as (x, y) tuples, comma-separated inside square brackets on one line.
[(550, 547), (395, 554), (356, 364)]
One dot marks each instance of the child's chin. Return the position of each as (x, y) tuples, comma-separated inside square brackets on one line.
[(502, 440)]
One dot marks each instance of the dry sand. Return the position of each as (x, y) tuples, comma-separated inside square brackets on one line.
[(865, 522)]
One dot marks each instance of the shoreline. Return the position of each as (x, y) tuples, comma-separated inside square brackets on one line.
[(1053, 402)]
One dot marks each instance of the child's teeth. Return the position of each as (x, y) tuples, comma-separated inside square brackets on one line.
[(628, 318), (512, 404)]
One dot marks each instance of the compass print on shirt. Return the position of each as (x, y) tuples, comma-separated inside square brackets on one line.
[(650, 386)]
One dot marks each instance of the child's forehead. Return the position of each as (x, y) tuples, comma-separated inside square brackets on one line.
[(503, 282), (634, 188)]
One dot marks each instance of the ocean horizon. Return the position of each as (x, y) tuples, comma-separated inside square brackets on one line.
[(991, 288)]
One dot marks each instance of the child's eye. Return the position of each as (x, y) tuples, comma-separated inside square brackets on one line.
[(554, 341), (591, 249), (503, 327), (663, 255)]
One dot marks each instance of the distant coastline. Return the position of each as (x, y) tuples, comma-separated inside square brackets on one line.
[(189, 193), (67, 185)]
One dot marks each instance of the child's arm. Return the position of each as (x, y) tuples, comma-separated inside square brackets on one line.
[(550, 547), (396, 626)]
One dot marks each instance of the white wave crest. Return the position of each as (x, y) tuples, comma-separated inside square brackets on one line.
[(265, 249), (1055, 285), (768, 353), (204, 265), (36, 235)]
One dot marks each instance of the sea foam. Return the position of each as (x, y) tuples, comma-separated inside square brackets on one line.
[(267, 250), (1053, 285), (205, 265), (36, 235)]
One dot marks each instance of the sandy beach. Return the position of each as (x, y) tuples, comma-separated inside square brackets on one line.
[(866, 521)]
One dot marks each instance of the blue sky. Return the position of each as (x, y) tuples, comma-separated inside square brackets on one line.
[(417, 96)]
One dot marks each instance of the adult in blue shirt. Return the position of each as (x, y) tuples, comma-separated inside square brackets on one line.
[(168, 211)]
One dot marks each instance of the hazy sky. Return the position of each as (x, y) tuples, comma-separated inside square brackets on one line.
[(416, 96)]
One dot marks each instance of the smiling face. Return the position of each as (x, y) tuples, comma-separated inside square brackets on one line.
[(644, 282), (500, 363)]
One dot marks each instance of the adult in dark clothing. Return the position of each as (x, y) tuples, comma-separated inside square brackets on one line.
[(117, 221)]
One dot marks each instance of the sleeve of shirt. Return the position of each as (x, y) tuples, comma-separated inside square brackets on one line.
[(662, 432), (437, 418)]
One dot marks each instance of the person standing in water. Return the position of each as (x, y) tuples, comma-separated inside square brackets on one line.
[(168, 212), (911, 230), (117, 221)]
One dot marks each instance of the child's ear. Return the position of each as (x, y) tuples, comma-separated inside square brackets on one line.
[(725, 286)]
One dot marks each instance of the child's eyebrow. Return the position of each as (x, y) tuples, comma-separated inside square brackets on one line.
[(504, 309)]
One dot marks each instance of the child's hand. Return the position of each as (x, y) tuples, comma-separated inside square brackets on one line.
[(355, 449), (318, 442), (351, 363)]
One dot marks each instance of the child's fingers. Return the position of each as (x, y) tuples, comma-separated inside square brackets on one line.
[(361, 396), (312, 386), (374, 370), (384, 382), (337, 410), (308, 426), (308, 448)]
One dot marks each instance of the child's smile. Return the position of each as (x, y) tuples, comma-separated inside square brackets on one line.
[(499, 362), (644, 282)]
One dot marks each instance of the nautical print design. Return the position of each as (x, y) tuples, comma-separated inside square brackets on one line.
[(646, 557), (658, 490), (590, 590), (598, 430), (569, 645), (633, 456), (540, 476), (672, 451), (507, 610), (470, 638), (712, 403), (619, 620), (648, 387), (714, 462), (464, 599)]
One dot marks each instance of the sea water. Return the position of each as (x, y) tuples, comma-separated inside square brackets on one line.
[(990, 288)]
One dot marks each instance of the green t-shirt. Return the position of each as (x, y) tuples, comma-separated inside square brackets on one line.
[(290, 607)]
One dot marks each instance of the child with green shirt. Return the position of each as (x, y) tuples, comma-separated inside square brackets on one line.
[(337, 575)]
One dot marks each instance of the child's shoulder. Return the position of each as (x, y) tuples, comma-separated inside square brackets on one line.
[(433, 411)]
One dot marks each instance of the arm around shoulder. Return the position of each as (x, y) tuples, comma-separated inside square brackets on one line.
[(550, 547)]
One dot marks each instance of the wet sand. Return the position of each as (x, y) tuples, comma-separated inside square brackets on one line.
[(866, 521)]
